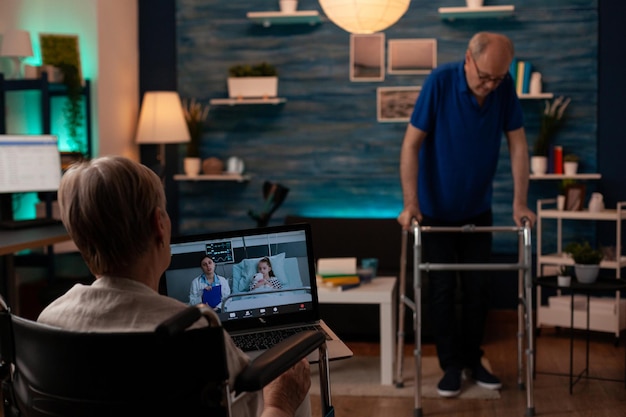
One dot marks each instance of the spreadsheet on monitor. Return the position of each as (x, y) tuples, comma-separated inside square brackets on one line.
[(29, 163)]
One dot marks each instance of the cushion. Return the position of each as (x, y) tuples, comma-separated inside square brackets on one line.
[(245, 270)]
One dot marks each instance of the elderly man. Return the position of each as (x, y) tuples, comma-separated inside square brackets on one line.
[(447, 165)]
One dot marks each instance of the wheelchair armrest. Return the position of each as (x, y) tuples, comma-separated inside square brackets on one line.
[(278, 359), (179, 322)]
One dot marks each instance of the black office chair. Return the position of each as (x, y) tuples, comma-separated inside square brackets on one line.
[(47, 371)]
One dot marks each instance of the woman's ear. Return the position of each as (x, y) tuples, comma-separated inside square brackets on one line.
[(159, 222)]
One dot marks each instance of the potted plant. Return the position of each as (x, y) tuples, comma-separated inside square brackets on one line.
[(252, 81), (195, 116), (551, 121), (564, 276), (72, 109), (586, 261), (570, 164)]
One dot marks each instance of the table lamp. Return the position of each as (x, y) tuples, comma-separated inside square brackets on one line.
[(161, 121), (16, 46)]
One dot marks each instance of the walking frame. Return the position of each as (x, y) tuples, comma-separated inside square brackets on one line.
[(524, 308)]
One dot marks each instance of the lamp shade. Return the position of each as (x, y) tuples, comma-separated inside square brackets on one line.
[(16, 43), (161, 119), (364, 16)]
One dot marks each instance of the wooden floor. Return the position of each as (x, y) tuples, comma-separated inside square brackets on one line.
[(551, 392)]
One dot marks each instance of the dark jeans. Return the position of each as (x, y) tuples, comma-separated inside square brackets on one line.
[(458, 339)]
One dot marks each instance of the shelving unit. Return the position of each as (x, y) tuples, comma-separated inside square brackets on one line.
[(606, 314), (216, 177), (536, 96), (267, 19), (452, 13), (48, 91), (246, 101), (581, 176)]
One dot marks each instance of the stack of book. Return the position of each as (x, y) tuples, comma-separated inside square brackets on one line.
[(338, 274)]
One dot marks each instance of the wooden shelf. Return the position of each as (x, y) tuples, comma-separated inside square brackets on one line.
[(243, 101), (564, 259), (451, 13), (606, 214), (216, 177), (535, 96), (267, 19), (590, 176)]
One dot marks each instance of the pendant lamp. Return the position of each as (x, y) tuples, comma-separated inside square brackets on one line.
[(364, 16)]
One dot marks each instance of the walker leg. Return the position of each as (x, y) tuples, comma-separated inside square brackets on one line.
[(399, 381)]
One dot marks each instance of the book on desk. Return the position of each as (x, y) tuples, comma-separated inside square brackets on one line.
[(337, 274), (333, 283)]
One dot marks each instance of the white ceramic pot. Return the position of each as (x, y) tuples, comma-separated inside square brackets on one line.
[(586, 274), (538, 164), (474, 4), (234, 165), (564, 280), (560, 202), (596, 202), (192, 166), (288, 6), (252, 87), (570, 167)]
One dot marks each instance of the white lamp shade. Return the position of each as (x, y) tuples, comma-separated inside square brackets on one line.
[(364, 16), (162, 119), (16, 43)]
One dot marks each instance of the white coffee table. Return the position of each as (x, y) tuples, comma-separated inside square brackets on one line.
[(381, 291)]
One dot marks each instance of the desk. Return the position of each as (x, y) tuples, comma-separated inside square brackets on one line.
[(601, 285), (12, 241), (381, 291)]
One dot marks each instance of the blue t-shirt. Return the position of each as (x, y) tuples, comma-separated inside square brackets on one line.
[(458, 159)]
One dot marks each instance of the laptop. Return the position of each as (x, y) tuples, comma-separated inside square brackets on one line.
[(252, 315)]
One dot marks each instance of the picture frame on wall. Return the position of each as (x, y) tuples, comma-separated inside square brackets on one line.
[(395, 104), (58, 50), (411, 56), (575, 197), (367, 57)]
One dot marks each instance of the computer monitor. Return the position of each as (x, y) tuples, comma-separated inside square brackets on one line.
[(29, 163)]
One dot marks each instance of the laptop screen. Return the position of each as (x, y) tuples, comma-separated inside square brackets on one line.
[(262, 277)]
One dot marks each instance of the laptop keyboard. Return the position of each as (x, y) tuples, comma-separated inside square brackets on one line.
[(265, 340)]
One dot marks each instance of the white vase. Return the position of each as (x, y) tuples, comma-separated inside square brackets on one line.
[(586, 274), (570, 167), (564, 280), (474, 4), (538, 165), (288, 6), (596, 202), (235, 165), (535, 83), (560, 202), (192, 166)]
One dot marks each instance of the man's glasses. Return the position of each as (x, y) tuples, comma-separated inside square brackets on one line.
[(486, 77)]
